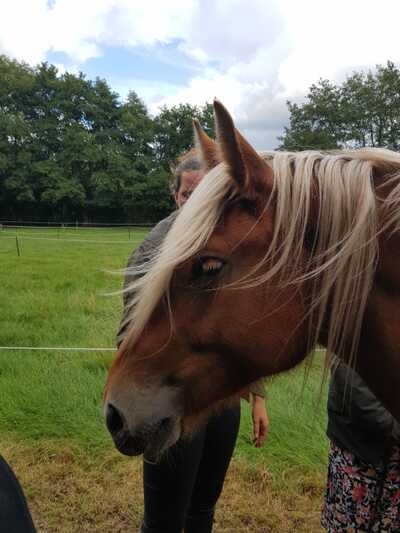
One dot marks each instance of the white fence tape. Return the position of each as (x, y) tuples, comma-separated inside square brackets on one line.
[(80, 349), (56, 349)]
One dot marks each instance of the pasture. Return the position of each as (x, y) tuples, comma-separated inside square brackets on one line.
[(53, 294)]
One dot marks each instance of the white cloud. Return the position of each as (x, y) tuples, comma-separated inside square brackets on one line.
[(328, 40), (21, 29), (80, 28), (233, 31), (151, 92), (252, 55), (274, 51)]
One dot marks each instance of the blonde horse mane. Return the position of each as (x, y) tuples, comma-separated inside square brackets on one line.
[(343, 256)]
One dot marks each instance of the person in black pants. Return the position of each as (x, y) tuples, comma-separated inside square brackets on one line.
[(182, 489)]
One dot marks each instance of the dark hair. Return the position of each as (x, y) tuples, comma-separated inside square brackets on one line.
[(186, 162)]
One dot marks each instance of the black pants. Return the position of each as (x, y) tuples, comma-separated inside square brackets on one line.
[(180, 492)]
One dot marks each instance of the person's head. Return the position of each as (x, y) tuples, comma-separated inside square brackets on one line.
[(186, 176)]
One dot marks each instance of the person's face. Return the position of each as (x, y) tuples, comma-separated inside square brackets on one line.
[(189, 181)]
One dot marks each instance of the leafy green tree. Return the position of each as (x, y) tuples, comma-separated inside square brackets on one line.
[(137, 141), (362, 111), (316, 123), (128, 157), (16, 185), (69, 148), (173, 130)]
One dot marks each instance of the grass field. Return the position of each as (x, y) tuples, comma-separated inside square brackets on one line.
[(51, 427)]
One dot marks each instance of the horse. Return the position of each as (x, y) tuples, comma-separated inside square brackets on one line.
[(273, 254)]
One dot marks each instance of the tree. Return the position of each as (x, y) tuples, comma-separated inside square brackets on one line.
[(173, 130), (69, 148), (363, 111), (145, 196), (16, 185)]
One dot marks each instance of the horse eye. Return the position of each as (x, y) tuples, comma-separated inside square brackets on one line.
[(208, 266)]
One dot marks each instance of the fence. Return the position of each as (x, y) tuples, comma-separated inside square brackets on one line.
[(18, 235), (76, 224), (66, 234)]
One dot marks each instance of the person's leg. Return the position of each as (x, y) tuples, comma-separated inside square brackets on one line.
[(168, 486), (14, 512), (219, 443), (388, 505), (351, 493)]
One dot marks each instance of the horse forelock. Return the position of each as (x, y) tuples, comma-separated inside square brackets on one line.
[(188, 234), (342, 262)]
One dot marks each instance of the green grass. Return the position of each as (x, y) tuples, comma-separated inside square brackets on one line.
[(298, 419), (54, 295)]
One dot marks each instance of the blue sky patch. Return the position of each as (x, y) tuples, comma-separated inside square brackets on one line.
[(141, 69)]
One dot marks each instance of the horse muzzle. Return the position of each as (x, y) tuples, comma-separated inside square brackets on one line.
[(150, 437)]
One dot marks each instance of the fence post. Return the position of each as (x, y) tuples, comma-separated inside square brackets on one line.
[(17, 243)]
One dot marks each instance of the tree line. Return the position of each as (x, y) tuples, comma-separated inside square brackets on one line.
[(362, 111), (71, 150)]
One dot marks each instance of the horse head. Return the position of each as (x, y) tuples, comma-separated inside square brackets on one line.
[(270, 255), (205, 338)]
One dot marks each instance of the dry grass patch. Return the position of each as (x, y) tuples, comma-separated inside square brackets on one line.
[(72, 492), (254, 502)]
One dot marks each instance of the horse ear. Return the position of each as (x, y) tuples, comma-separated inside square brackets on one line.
[(207, 147), (251, 173)]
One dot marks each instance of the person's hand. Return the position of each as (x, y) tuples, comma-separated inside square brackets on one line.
[(260, 420)]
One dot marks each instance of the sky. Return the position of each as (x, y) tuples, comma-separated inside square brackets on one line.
[(252, 55)]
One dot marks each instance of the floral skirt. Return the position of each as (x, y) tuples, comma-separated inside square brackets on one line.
[(360, 498)]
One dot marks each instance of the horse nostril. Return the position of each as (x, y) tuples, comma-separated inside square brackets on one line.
[(165, 422), (114, 420)]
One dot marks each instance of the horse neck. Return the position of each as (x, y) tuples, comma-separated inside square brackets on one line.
[(378, 357), (388, 271)]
